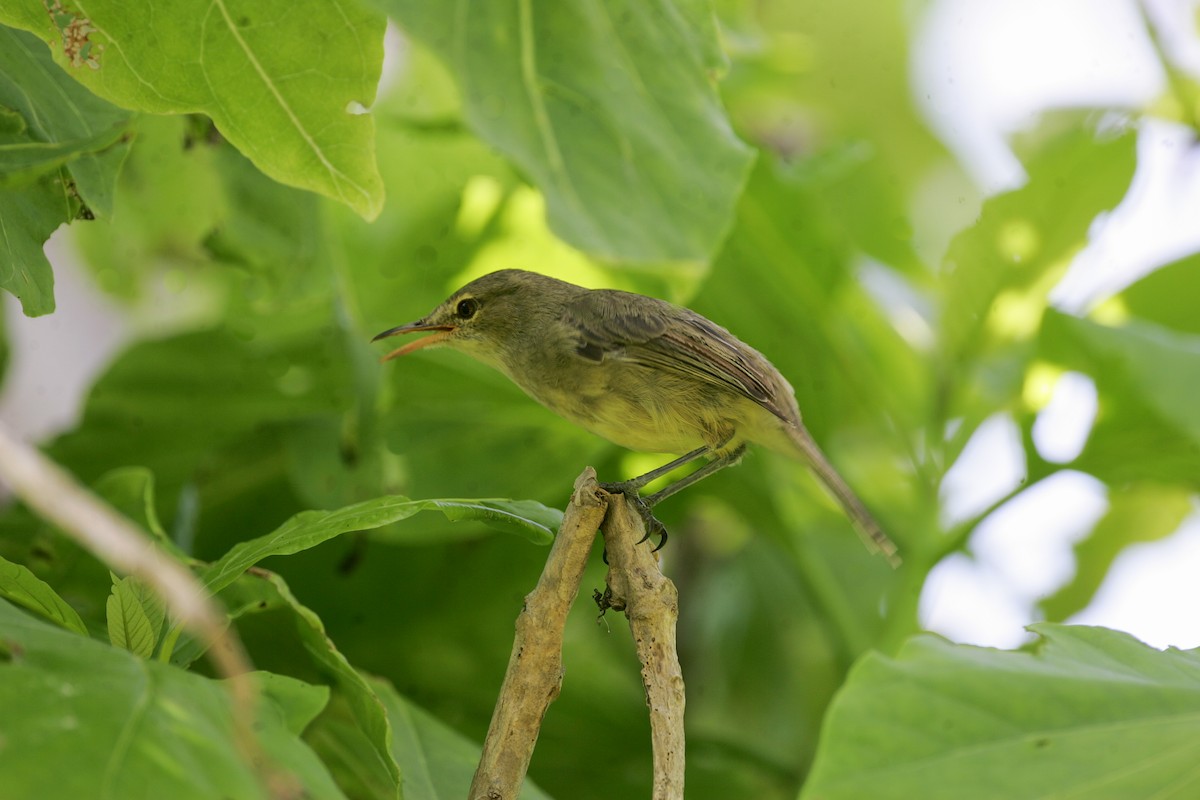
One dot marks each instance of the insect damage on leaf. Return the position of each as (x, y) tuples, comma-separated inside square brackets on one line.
[(76, 34)]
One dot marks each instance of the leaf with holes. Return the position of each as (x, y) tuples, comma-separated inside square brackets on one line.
[(282, 80)]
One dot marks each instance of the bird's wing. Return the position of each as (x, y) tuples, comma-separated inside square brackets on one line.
[(653, 333)]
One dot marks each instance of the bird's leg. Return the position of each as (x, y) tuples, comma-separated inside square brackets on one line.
[(645, 505), (634, 485), (727, 460)]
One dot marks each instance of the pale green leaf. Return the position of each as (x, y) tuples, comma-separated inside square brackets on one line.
[(1090, 713), (282, 80), (135, 617), (82, 719), (610, 109), (20, 585)]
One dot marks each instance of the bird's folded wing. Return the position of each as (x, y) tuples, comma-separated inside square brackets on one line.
[(655, 334)]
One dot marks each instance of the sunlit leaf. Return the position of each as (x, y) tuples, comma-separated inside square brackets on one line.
[(279, 79), (609, 107)]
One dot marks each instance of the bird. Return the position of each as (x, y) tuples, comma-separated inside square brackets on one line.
[(641, 372)]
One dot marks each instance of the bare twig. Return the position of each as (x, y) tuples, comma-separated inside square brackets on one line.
[(535, 670), (59, 498), (637, 586)]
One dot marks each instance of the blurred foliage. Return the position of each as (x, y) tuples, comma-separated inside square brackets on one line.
[(759, 162)]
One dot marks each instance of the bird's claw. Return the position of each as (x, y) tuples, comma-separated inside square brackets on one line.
[(643, 508)]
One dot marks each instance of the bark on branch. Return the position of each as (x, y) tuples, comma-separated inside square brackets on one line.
[(649, 599), (535, 670), (534, 677)]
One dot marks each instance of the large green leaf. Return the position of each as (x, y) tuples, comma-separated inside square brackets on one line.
[(1090, 713), (82, 719), (171, 404), (280, 79), (60, 114), (609, 108)]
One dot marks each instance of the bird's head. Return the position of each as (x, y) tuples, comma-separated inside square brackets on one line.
[(486, 317)]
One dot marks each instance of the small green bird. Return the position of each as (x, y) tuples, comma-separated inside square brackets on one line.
[(641, 372)]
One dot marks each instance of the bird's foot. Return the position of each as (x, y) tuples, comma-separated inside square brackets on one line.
[(644, 510)]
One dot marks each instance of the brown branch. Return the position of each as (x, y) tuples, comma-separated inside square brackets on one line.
[(535, 669), (637, 586)]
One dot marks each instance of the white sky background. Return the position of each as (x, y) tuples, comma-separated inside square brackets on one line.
[(982, 69)]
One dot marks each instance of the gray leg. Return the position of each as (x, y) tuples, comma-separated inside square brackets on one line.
[(644, 505)]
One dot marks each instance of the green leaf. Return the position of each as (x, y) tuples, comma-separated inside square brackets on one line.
[(62, 114), (1166, 296), (223, 387), (1159, 367), (27, 218), (20, 585), (130, 490), (21, 163), (438, 763), (609, 108), (299, 701), (1023, 235), (297, 632), (950, 721), (264, 592), (169, 200), (278, 78), (82, 719), (311, 528), (1139, 513), (135, 616)]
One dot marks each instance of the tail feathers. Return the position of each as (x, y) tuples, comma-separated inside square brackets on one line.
[(868, 528)]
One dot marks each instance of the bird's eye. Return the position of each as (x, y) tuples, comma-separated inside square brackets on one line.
[(467, 308)]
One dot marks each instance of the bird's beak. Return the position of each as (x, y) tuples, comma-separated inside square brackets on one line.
[(443, 331)]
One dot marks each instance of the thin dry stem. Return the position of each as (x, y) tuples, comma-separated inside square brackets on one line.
[(649, 599), (535, 670)]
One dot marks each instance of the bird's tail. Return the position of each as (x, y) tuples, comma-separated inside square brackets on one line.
[(872, 534)]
